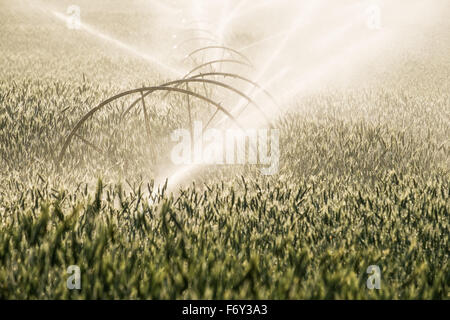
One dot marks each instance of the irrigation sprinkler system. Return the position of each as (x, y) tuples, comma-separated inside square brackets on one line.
[(197, 75)]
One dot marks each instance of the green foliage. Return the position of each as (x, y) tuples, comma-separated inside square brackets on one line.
[(238, 240), (363, 181)]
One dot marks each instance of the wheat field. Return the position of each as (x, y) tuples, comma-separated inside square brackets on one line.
[(363, 174)]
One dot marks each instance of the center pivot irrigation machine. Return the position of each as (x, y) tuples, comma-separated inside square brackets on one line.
[(215, 66)]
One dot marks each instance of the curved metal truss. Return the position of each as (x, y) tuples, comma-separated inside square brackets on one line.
[(206, 79), (221, 48)]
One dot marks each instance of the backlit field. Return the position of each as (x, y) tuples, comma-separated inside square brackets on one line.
[(363, 173)]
